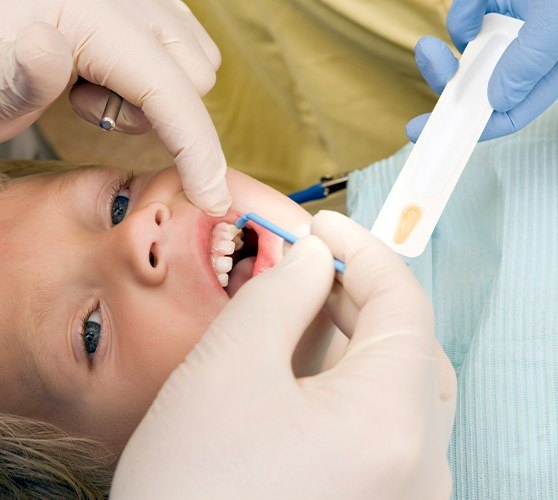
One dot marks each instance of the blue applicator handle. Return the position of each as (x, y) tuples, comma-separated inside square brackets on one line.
[(314, 192), (291, 238), (328, 184)]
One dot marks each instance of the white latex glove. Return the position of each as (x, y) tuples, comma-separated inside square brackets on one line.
[(154, 53), (232, 422)]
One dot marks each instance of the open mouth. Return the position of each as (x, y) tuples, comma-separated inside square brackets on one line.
[(233, 254), (244, 261)]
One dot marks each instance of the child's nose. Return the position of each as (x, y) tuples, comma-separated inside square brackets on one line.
[(138, 243)]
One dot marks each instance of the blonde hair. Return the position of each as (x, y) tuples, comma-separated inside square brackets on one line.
[(38, 460)]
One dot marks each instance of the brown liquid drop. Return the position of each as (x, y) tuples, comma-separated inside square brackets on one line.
[(409, 219)]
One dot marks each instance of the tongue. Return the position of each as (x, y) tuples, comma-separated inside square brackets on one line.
[(240, 274)]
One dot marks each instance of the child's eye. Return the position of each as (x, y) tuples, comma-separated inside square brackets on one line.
[(120, 200), (120, 206), (91, 332)]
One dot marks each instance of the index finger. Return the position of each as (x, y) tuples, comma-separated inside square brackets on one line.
[(169, 101), (177, 114)]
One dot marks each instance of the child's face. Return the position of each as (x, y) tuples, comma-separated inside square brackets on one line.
[(146, 285)]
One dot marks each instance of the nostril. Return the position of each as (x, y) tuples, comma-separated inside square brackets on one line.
[(152, 256), (158, 217), (160, 212)]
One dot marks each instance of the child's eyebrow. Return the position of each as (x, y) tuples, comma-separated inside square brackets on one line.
[(83, 187), (73, 178)]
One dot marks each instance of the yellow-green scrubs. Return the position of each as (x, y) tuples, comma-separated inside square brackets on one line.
[(309, 87)]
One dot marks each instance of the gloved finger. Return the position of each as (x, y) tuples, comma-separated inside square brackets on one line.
[(34, 70), (415, 126), (341, 310), (541, 97), (268, 315), (339, 307), (183, 46), (394, 333), (527, 59), (171, 104), (89, 101), (436, 62), (373, 270), (11, 127), (184, 15), (206, 43), (437, 65), (464, 21)]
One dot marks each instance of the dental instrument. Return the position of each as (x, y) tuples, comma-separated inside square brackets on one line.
[(328, 184), (420, 193), (291, 238), (110, 114)]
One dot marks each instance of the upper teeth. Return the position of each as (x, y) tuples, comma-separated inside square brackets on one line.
[(225, 240)]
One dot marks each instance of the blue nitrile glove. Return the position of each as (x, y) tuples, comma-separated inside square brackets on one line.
[(525, 80)]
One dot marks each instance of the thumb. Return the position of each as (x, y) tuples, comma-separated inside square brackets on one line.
[(34, 70), (267, 316)]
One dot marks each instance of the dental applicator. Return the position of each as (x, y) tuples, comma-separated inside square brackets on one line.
[(416, 202), (291, 238)]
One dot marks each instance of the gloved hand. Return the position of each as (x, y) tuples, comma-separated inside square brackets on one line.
[(233, 422), (525, 80), (154, 53)]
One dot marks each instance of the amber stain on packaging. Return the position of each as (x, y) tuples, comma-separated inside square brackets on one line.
[(409, 219)]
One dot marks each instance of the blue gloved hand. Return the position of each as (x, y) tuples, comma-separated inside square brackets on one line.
[(525, 80)]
